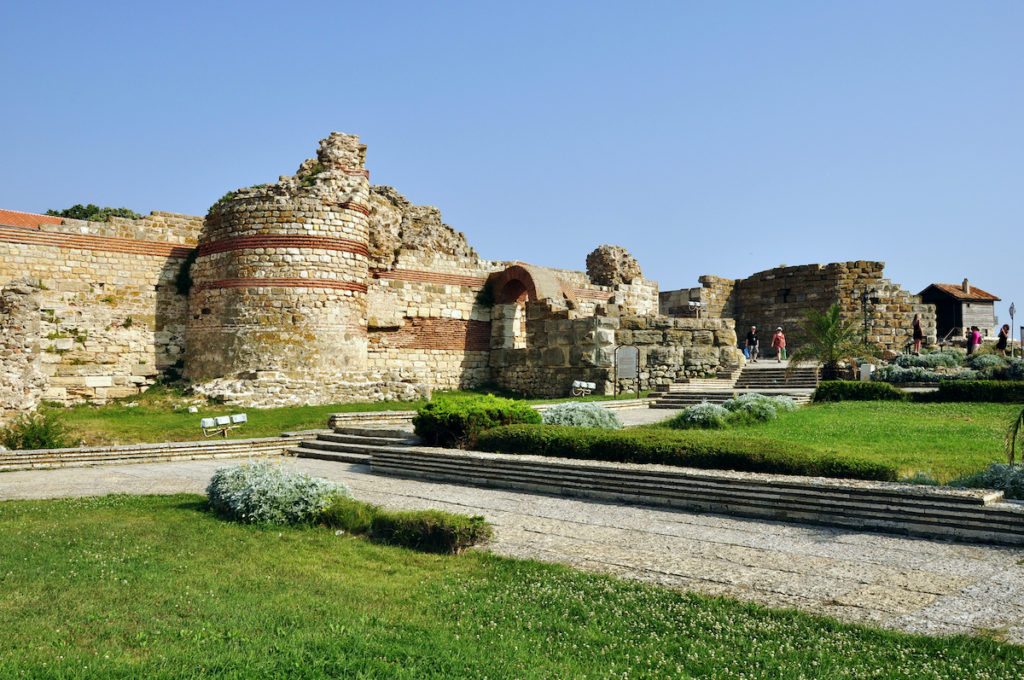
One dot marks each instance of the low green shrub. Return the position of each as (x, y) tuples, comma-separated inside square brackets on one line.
[(689, 448), (581, 414), (999, 391), (849, 390), (426, 530), (1006, 478), (348, 514), (921, 478), (947, 358), (759, 408), (265, 493), (702, 416), (454, 421), (430, 530), (37, 431)]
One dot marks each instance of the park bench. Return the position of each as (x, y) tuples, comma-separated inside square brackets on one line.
[(581, 388), (221, 424)]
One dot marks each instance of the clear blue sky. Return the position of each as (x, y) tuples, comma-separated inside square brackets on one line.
[(706, 138)]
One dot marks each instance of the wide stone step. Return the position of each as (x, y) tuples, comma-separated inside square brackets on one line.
[(364, 437), (336, 456), (922, 511), (140, 453)]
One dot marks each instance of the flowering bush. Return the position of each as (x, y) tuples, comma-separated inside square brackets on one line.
[(581, 414), (266, 493)]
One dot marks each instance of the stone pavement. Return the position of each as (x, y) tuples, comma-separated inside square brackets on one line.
[(907, 584)]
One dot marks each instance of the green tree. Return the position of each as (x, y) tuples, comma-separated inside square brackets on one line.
[(826, 340), (94, 213)]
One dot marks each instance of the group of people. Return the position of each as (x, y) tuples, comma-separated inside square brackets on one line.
[(751, 345), (972, 336)]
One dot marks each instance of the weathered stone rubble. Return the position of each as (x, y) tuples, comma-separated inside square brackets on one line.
[(396, 224), (611, 265)]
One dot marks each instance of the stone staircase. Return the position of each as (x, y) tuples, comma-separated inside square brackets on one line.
[(763, 379), (934, 512), (353, 444)]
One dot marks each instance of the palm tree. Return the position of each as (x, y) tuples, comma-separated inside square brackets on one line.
[(1012, 433), (826, 340)]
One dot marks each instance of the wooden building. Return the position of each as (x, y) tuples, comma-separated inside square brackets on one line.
[(960, 307)]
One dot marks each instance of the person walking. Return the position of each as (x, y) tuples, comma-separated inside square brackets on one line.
[(779, 344), (918, 334), (969, 341), (752, 343), (1004, 335)]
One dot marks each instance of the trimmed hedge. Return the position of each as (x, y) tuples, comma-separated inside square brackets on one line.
[(425, 530), (686, 448), (455, 421), (1000, 391), (849, 390)]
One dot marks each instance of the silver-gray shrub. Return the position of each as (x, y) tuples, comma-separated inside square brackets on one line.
[(981, 361), (581, 414), (897, 374), (1006, 478), (1015, 371), (260, 492), (744, 402), (931, 360), (704, 415)]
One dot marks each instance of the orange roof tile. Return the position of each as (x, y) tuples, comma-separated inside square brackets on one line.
[(955, 291), (13, 218)]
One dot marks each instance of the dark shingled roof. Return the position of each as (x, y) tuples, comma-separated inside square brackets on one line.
[(957, 292)]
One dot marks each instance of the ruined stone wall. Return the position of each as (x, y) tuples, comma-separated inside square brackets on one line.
[(675, 349), (22, 381), (559, 349), (779, 297), (111, 317)]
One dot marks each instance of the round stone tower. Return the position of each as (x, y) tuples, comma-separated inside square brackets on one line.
[(278, 301)]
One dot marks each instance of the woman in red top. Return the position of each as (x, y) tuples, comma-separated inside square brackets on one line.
[(779, 343)]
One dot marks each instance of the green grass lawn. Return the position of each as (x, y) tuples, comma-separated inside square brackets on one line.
[(157, 587), (947, 440), (162, 415)]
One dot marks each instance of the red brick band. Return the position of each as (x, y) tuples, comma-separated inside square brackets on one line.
[(101, 243), (602, 295), (429, 277), (439, 334), (267, 282), (351, 205), (352, 171), (283, 241)]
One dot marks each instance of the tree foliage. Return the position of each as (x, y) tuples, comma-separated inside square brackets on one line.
[(94, 213), (826, 340)]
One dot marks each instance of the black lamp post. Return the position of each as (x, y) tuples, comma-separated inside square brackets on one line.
[(866, 297)]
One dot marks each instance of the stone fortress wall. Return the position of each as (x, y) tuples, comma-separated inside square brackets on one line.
[(778, 297), (321, 288), (111, 319)]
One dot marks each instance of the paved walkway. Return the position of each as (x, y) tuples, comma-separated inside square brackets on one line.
[(907, 584)]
